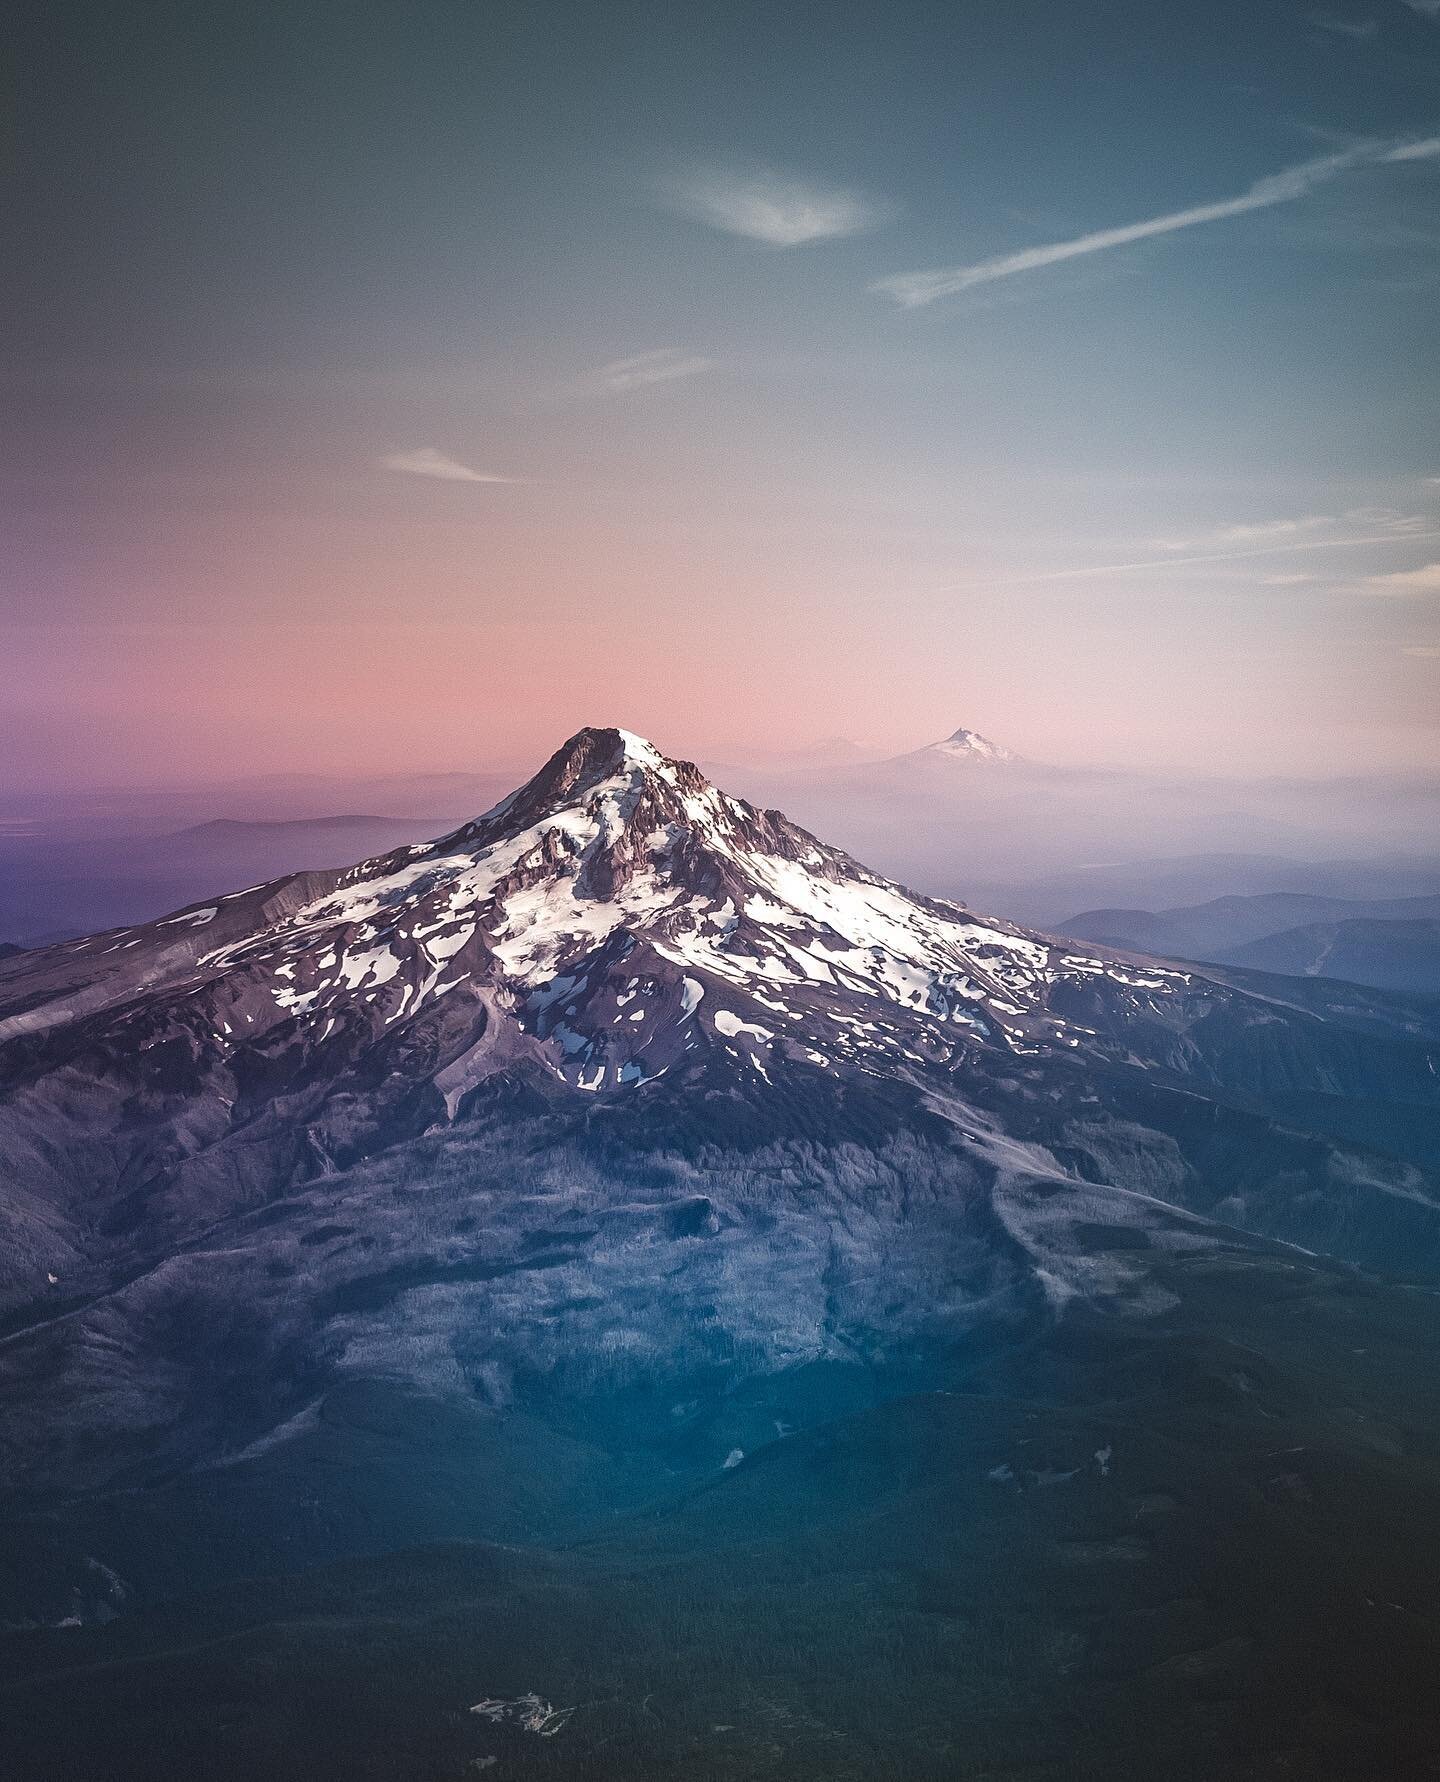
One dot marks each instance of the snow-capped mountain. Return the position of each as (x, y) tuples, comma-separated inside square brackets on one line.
[(587, 1157), (618, 911), (621, 930), (962, 748), (610, 919), (968, 745)]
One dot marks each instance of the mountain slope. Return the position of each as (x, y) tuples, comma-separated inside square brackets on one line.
[(629, 1168), (614, 925), (1175, 1546)]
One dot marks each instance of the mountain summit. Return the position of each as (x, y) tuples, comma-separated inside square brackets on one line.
[(963, 748), (968, 745)]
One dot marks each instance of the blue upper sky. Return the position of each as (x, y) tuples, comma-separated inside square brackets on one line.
[(1069, 371)]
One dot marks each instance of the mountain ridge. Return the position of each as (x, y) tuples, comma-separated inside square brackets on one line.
[(1385, 943)]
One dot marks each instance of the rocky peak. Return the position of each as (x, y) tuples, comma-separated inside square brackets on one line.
[(596, 763), (607, 803)]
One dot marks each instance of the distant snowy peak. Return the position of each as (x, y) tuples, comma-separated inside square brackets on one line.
[(962, 748), (969, 745)]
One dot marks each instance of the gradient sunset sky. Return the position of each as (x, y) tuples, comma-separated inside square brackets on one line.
[(399, 386)]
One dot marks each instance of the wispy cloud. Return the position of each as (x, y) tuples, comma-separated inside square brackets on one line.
[(1271, 531), (428, 461), (1408, 583), (1343, 27), (618, 377), (1392, 521), (1395, 518), (662, 366), (1426, 150), (1429, 9), (1250, 532), (1294, 547), (771, 207), (912, 290)]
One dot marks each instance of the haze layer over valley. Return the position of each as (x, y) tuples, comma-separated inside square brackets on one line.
[(964, 817)]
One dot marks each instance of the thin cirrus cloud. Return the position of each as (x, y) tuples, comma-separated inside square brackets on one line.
[(1343, 27), (640, 371), (1401, 534), (913, 290), (428, 461), (768, 207), (1261, 532), (1271, 531), (1408, 583), (1428, 150), (1429, 9), (1390, 520), (664, 365)]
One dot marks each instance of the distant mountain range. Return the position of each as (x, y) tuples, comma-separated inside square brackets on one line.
[(52, 886), (1389, 943), (1402, 956)]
